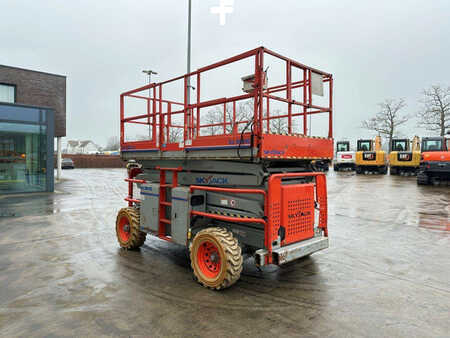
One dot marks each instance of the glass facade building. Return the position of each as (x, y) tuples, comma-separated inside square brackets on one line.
[(26, 148)]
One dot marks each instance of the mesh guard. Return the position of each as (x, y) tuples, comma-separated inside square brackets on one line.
[(297, 214)]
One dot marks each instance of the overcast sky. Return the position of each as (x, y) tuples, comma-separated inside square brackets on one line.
[(374, 49)]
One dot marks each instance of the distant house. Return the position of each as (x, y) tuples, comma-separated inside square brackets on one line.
[(82, 147), (72, 147)]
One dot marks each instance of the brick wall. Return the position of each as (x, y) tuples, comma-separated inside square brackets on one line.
[(39, 89), (95, 161)]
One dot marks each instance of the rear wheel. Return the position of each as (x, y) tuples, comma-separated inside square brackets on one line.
[(393, 171), (127, 229), (336, 167), (358, 169), (216, 258)]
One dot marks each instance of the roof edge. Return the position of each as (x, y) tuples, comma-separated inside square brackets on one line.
[(33, 71)]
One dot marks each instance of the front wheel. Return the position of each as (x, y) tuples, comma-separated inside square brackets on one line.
[(216, 258), (127, 229)]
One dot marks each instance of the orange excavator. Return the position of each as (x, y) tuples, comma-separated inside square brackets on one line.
[(435, 160)]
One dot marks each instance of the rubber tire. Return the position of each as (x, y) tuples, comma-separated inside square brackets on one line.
[(393, 171), (137, 237), (358, 170), (382, 170), (230, 254), (336, 167)]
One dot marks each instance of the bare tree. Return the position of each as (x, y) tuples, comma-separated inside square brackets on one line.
[(113, 143), (435, 112), (244, 112), (278, 125), (388, 119), (175, 135)]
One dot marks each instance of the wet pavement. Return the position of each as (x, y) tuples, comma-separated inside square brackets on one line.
[(386, 273)]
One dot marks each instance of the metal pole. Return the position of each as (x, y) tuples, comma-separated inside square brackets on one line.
[(58, 158), (149, 81), (189, 53), (149, 73), (148, 104), (188, 82)]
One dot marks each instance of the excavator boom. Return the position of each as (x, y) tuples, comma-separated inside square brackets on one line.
[(416, 144), (378, 143)]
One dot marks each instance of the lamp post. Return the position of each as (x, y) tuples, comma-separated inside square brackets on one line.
[(189, 54), (149, 73)]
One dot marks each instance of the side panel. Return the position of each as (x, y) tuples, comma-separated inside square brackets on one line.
[(404, 159), (180, 214), (296, 147), (298, 212), (149, 207), (345, 157), (436, 156), (441, 167), (182, 203), (371, 158)]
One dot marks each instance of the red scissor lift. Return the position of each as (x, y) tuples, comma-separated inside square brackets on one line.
[(234, 185)]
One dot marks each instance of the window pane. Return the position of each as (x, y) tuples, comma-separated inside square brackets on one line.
[(23, 154), (432, 145), (7, 93), (19, 113)]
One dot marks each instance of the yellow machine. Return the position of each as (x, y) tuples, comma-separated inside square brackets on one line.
[(404, 158), (370, 158)]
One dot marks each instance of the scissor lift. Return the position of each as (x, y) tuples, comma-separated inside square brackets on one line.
[(233, 186)]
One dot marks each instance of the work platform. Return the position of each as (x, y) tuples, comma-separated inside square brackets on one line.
[(233, 174), (263, 124)]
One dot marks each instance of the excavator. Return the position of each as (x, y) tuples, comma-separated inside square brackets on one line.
[(345, 159), (435, 161), (370, 158), (404, 158)]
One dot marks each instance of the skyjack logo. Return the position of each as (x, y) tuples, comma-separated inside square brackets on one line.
[(274, 152), (299, 214), (225, 7), (211, 180)]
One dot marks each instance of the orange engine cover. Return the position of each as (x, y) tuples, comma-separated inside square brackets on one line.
[(436, 156), (297, 215)]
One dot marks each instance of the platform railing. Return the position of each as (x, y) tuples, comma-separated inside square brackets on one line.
[(164, 115)]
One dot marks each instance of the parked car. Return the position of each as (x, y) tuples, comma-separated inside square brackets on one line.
[(67, 163)]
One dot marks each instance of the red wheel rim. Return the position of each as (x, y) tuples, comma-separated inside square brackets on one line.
[(208, 259), (124, 229)]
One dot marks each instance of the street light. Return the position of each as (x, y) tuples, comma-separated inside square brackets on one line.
[(189, 54), (149, 73)]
